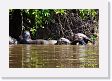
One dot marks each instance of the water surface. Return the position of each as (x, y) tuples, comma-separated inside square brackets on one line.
[(53, 56)]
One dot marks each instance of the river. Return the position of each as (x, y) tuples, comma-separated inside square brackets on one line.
[(53, 56)]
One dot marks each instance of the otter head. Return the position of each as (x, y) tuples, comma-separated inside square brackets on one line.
[(26, 35), (63, 41)]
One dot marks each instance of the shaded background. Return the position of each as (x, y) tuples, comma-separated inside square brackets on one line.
[(53, 23)]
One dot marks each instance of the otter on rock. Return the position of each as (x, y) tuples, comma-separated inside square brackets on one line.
[(26, 39), (12, 40), (63, 41), (81, 39)]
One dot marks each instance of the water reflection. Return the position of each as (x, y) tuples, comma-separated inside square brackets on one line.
[(53, 56)]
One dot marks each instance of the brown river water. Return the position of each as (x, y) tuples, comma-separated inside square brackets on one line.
[(53, 56)]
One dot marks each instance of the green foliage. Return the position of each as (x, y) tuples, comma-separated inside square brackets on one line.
[(93, 37), (40, 18), (86, 13), (60, 11)]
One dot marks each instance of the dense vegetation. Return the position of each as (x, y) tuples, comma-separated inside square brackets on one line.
[(53, 23)]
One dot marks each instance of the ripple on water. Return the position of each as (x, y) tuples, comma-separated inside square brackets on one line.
[(53, 56)]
